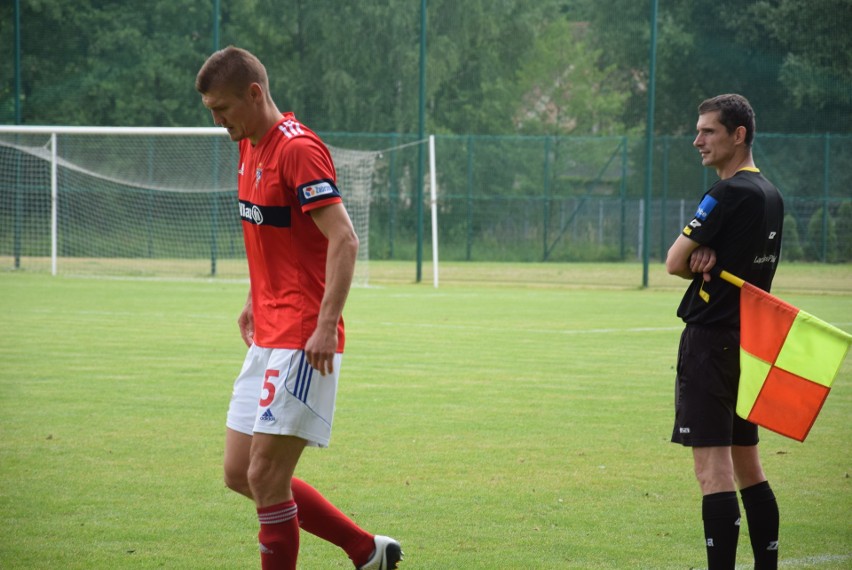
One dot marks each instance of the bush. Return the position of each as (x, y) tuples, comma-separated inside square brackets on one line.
[(844, 232), (791, 245), (819, 241)]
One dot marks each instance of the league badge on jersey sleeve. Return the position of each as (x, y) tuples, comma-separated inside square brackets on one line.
[(704, 208), (317, 191)]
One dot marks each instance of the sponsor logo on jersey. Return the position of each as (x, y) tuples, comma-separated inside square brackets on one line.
[(276, 216), (316, 190), (765, 259), (705, 207), (251, 213)]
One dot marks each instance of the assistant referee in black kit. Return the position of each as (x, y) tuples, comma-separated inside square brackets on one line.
[(737, 226)]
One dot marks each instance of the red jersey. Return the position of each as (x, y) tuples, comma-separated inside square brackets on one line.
[(281, 179)]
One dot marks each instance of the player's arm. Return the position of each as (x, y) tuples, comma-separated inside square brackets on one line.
[(246, 322), (687, 257), (334, 223)]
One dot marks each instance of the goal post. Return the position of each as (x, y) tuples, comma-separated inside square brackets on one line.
[(139, 201)]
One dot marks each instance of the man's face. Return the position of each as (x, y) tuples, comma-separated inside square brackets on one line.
[(713, 141), (231, 111)]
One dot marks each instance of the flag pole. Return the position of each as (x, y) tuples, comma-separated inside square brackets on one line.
[(732, 279)]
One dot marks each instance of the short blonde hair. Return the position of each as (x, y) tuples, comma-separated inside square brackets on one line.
[(232, 68)]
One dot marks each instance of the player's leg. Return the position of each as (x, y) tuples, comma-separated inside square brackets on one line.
[(320, 517), (720, 509), (747, 467), (714, 469), (236, 462), (242, 415), (705, 395), (272, 462), (316, 514), (298, 401), (760, 506)]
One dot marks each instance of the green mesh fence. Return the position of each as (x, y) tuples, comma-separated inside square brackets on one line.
[(539, 107)]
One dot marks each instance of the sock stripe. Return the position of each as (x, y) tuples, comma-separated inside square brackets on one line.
[(278, 516)]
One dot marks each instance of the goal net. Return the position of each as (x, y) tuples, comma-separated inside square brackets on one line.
[(145, 202)]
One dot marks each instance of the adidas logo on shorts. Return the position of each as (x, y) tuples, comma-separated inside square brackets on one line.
[(267, 416)]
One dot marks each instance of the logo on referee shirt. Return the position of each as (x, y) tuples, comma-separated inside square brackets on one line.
[(705, 207), (267, 416)]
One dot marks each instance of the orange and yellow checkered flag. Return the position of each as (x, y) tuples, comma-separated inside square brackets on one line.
[(788, 361)]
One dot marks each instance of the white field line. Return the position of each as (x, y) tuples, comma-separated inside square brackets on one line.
[(548, 331), (437, 326), (532, 331), (807, 561)]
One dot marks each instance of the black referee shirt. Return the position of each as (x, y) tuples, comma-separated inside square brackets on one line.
[(741, 218)]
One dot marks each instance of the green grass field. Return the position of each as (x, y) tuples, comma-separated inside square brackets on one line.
[(515, 426)]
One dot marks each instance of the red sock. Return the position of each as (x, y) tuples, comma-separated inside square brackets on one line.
[(279, 536), (321, 518)]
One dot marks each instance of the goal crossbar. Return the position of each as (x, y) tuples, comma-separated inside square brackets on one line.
[(162, 194)]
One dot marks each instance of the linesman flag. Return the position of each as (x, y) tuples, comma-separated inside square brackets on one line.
[(788, 361)]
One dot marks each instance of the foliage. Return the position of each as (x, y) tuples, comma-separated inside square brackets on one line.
[(791, 248), (565, 91), (843, 225), (822, 237), (759, 49), (513, 66), (817, 69)]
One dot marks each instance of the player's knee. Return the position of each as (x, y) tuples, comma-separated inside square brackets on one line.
[(237, 481), (714, 479), (260, 470)]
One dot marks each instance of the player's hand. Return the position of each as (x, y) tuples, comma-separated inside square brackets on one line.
[(320, 349), (702, 260), (246, 324)]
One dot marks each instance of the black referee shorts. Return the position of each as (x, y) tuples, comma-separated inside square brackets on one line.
[(708, 375)]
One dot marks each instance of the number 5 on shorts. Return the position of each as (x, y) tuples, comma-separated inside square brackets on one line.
[(269, 387)]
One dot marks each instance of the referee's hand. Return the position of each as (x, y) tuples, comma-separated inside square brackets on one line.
[(702, 260)]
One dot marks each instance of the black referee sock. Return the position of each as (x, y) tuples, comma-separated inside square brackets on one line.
[(763, 521), (721, 514)]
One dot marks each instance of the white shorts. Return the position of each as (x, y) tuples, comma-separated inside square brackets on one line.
[(278, 392)]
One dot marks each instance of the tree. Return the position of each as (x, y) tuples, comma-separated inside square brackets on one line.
[(107, 63), (817, 68), (706, 47), (843, 226), (564, 91), (791, 247)]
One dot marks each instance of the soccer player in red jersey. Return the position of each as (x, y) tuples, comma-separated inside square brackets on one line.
[(301, 249), (738, 225)]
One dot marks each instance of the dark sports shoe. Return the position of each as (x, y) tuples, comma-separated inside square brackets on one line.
[(387, 555)]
